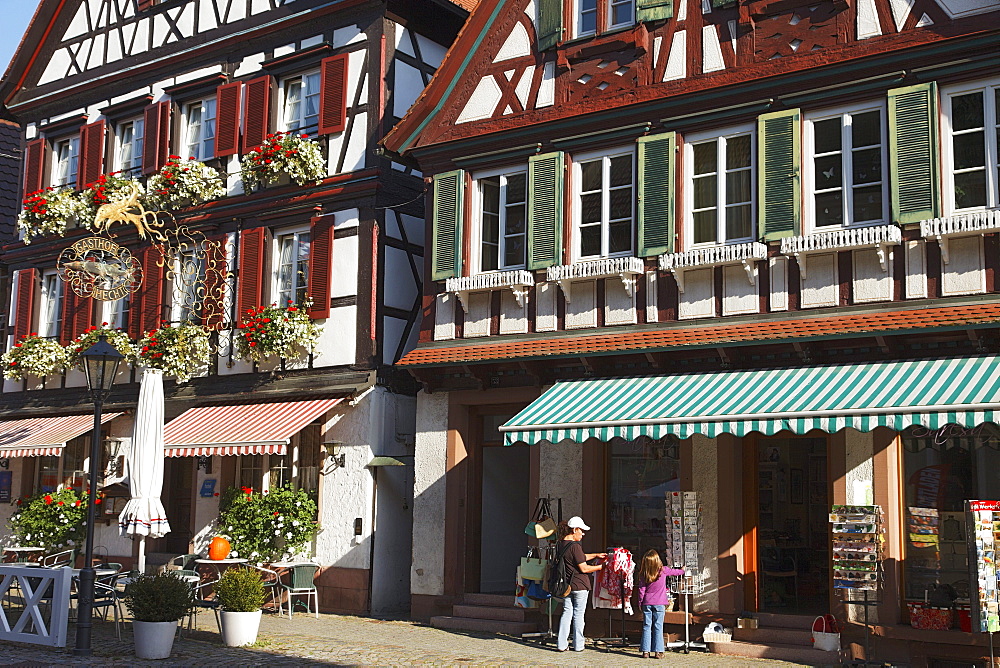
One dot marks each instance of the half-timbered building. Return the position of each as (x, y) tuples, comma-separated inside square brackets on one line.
[(742, 248), (125, 87)]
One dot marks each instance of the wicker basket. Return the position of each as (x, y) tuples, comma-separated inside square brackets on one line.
[(718, 637)]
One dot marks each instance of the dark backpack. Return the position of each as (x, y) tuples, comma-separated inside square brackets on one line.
[(559, 580)]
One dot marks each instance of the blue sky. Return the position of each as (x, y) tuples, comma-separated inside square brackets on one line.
[(16, 14)]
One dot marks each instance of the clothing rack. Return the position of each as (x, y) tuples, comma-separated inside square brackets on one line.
[(612, 640)]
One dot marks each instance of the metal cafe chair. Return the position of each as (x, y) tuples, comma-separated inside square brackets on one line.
[(302, 583), (201, 601), (106, 596), (271, 581), (59, 559)]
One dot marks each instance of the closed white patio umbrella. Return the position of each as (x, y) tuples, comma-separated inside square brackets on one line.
[(144, 514)]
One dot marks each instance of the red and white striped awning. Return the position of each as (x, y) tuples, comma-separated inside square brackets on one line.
[(38, 437), (255, 429)]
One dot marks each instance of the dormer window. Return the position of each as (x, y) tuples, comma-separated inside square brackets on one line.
[(301, 107), (65, 161), (199, 134)]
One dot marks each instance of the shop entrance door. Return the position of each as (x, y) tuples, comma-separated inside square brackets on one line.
[(177, 497), (502, 539), (792, 555)]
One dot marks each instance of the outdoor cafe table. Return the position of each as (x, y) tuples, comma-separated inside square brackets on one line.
[(26, 551), (218, 563)]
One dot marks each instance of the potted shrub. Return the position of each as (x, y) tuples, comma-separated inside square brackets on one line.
[(283, 155), (33, 355), (157, 603), (241, 594)]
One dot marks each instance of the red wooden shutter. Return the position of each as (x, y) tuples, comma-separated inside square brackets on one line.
[(78, 315), (333, 94), (91, 154), (214, 304), (251, 278), (34, 165), (320, 269), (26, 280), (227, 119), (146, 310), (256, 112), (156, 136)]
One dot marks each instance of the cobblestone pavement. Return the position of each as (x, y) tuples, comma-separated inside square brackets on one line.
[(336, 640)]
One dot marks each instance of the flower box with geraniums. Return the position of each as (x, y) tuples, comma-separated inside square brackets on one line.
[(116, 337), (51, 211), (106, 189), (283, 154), (53, 521), (241, 595), (283, 332), (33, 355), (181, 351), (183, 182), (267, 526), (156, 602)]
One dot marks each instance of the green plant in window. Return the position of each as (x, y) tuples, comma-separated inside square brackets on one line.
[(267, 526), (49, 211), (54, 521), (283, 153), (183, 182), (33, 355), (116, 337), (181, 351), (271, 330)]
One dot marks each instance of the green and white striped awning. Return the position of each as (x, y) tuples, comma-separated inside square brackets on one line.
[(930, 393)]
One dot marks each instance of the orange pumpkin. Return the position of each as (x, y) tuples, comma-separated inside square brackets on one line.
[(218, 548)]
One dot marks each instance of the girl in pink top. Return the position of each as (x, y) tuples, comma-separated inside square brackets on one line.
[(653, 600)]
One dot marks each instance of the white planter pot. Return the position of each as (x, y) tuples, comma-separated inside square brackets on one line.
[(153, 640), (240, 628)]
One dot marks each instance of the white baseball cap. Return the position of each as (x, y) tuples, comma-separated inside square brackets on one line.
[(576, 522)]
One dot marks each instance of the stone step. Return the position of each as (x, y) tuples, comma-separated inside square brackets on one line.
[(782, 636), (482, 625), (509, 614), (775, 620), (792, 653), (491, 600)]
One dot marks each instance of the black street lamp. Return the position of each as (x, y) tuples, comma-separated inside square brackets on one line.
[(100, 363)]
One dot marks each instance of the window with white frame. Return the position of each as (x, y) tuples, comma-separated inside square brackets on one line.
[(721, 187), (116, 312), (593, 16), (972, 154), (50, 318), (503, 219), (199, 129), (605, 204), (65, 161), (189, 283), (300, 112), (66, 470), (293, 267), (845, 168), (128, 147), (299, 467)]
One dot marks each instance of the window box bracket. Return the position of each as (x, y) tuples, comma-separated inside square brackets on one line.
[(519, 281), (625, 268)]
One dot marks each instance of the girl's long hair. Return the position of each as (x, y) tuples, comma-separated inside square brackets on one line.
[(651, 567)]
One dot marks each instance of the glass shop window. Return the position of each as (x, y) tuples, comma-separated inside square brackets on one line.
[(641, 473), (943, 469)]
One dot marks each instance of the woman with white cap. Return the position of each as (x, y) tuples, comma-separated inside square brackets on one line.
[(575, 605)]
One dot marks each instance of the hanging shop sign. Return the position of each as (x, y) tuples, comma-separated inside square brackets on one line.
[(98, 267)]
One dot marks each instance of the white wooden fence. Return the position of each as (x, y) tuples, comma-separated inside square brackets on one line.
[(34, 604)]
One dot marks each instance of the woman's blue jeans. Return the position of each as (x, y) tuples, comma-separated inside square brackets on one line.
[(574, 607), (652, 628)]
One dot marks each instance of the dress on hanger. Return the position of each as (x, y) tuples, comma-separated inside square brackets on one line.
[(618, 570)]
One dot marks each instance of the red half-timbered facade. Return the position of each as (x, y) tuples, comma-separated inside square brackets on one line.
[(667, 189), (115, 87)]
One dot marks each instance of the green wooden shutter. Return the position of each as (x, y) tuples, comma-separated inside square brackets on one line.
[(653, 10), (913, 151), (656, 193), (550, 27), (545, 211), (446, 258), (778, 184)]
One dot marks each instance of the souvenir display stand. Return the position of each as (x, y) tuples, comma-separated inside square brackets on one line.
[(984, 584), (858, 540), (546, 550), (682, 515)]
